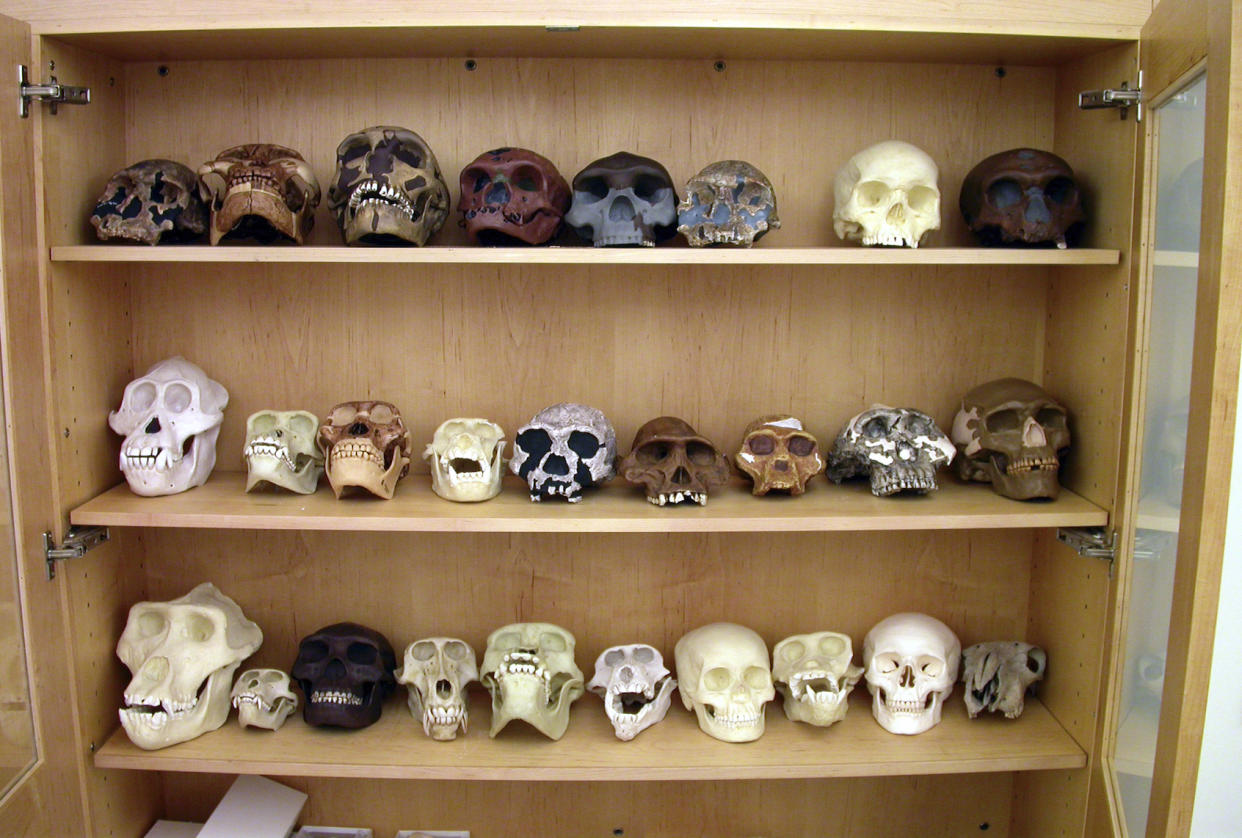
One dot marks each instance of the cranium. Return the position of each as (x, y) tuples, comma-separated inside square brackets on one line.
[(777, 453), (729, 202), (636, 687), (512, 196), (281, 450), (623, 199), (263, 698), (998, 674), (564, 449), (365, 444), (1022, 196), (530, 672), (899, 448), (151, 201), (815, 673), (725, 677), (260, 190), (910, 662), (345, 670), (437, 671), (467, 459), (887, 194), (674, 463)]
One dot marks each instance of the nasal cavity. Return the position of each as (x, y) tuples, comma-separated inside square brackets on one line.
[(1036, 210), (621, 209), (555, 464), (359, 429), (335, 670), (444, 689), (781, 465), (153, 427), (498, 194), (681, 477)]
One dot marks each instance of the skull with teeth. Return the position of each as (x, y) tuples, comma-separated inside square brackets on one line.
[(636, 687), (778, 454), (815, 673), (910, 662), (259, 190), (437, 671), (729, 202), (281, 450), (726, 679), (623, 200), (512, 196), (998, 674), (564, 449), (182, 655), (467, 459), (365, 445), (887, 194), (151, 201), (899, 448), (674, 463), (263, 698), (530, 672), (345, 671)]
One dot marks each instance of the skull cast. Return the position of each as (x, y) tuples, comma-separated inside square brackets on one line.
[(777, 454), (887, 194), (530, 672), (815, 673), (345, 670), (729, 202), (623, 199), (1011, 433), (437, 671), (151, 201), (259, 190), (170, 419), (512, 196), (1022, 196), (998, 674), (366, 445), (281, 451), (636, 687), (564, 449), (263, 698), (674, 463), (910, 662), (899, 448), (467, 459), (726, 679), (182, 655), (387, 188)]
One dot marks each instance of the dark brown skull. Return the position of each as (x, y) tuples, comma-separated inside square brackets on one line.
[(365, 444), (151, 201), (674, 463), (623, 199), (1023, 196), (345, 671), (512, 196), (259, 190)]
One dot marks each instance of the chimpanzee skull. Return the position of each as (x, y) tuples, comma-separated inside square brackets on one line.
[(530, 672), (911, 663), (815, 673), (726, 679), (564, 449), (182, 655), (467, 459), (998, 674), (512, 196), (151, 201), (281, 450), (365, 444), (636, 687), (899, 448), (777, 453), (170, 419), (623, 199), (345, 670), (1022, 196), (887, 194), (437, 671), (674, 463), (263, 698), (260, 190), (729, 202)]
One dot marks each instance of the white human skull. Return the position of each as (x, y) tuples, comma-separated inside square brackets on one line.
[(636, 686), (530, 672), (887, 194), (170, 419), (726, 679), (564, 449), (172, 648), (281, 450), (437, 671), (998, 674), (815, 673), (910, 662), (263, 698), (467, 459), (900, 449)]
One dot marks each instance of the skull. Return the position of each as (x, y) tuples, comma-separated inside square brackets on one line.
[(170, 419), (1011, 433), (365, 444), (387, 188), (263, 698), (729, 202), (467, 459), (512, 196), (182, 655), (623, 199), (726, 679), (887, 194), (778, 454), (1022, 196), (530, 672), (280, 450), (674, 463), (564, 449), (345, 671), (899, 448), (151, 201), (815, 673), (437, 671), (910, 662), (636, 687), (998, 674), (259, 190)]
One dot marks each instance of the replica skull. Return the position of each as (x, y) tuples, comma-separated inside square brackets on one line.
[(182, 655), (729, 202), (151, 201), (259, 190), (1023, 196), (467, 459), (998, 674), (777, 453), (1011, 433), (910, 662), (674, 463), (815, 673), (887, 194), (387, 188), (564, 449), (263, 698), (512, 196), (530, 672), (623, 199), (345, 671), (170, 419), (725, 677), (899, 448), (437, 671), (281, 451), (365, 444), (636, 687)]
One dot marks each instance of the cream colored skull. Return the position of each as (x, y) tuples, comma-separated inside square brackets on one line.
[(437, 671), (281, 450), (263, 698), (815, 673), (887, 194), (636, 686), (365, 445), (998, 674), (260, 190), (778, 454), (911, 663), (467, 459), (725, 677), (530, 672)]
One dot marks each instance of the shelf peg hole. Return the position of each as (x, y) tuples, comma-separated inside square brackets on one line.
[(719, 66), (471, 65)]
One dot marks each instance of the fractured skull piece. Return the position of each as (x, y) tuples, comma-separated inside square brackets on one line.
[(437, 671), (636, 686), (674, 463), (263, 698), (512, 196), (281, 450), (261, 191), (815, 673), (778, 454), (152, 201), (467, 459), (564, 449), (1023, 196), (998, 674), (365, 445), (623, 200), (726, 679), (345, 671), (529, 670), (910, 662), (887, 194), (898, 448), (729, 202)]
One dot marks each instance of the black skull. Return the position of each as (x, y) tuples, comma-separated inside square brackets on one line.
[(345, 671)]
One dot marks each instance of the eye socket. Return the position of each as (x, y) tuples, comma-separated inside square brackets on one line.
[(1050, 417), (263, 422), (761, 444), (872, 193), (271, 677), (302, 424), (423, 651), (644, 655), (343, 415), (362, 653), (481, 179), (409, 155), (653, 453), (141, 395), (456, 650), (922, 199), (508, 640), (583, 444), (354, 152), (552, 642), (886, 663), (1004, 193), (591, 190), (535, 442), (756, 677), (700, 454), (831, 646), (801, 446), (151, 624), (717, 679), (527, 179), (614, 657), (1003, 420), (1061, 190), (382, 414), (931, 667), (197, 628), (649, 188), (313, 651), (177, 397), (793, 651), (876, 427)]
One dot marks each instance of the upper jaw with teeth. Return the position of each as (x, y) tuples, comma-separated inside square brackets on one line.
[(270, 446), (667, 498), (151, 458), (325, 696), (528, 664), (373, 192), (816, 687)]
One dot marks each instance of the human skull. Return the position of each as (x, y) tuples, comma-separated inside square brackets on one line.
[(726, 679), (674, 463), (512, 196), (1011, 433), (636, 686), (467, 459), (998, 674), (345, 670), (365, 444), (815, 673), (899, 448), (151, 201), (778, 454), (530, 672), (280, 450), (564, 449), (263, 698), (170, 418), (729, 202), (1022, 196), (182, 655), (437, 671), (910, 662), (623, 199), (887, 194), (259, 190)]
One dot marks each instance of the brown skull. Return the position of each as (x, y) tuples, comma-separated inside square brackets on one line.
[(674, 463), (512, 196), (365, 444), (623, 199), (345, 671), (259, 190), (729, 202), (778, 454), (1022, 196), (151, 201)]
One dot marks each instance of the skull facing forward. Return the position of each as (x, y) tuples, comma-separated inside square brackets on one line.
[(260, 190), (529, 670), (365, 445), (437, 671), (345, 671)]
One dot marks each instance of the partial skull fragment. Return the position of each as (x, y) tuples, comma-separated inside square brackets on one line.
[(815, 673), (898, 448), (345, 671), (260, 191), (887, 194), (636, 686), (263, 698), (153, 201), (529, 670), (910, 662), (730, 202), (1023, 196), (365, 445), (281, 450), (437, 671), (778, 454), (623, 200), (512, 196), (674, 463), (564, 449), (726, 679), (998, 674), (467, 459)]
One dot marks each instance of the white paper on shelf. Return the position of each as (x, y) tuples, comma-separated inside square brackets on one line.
[(257, 808)]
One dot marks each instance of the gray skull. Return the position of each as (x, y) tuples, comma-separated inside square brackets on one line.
[(622, 200), (899, 448)]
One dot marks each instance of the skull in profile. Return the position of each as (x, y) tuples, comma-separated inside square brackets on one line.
[(998, 674)]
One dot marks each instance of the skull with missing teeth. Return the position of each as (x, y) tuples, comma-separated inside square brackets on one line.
[(467, 459), (887, 194), (151, 201), (674, 463), (259, 190), (564, 449), (815, 673), (437, 671), (281, 450), (998, 674), (636, 687), (365, 445), (726, 678), (778, 454), (530, 672), (263, 698), (900, 449)]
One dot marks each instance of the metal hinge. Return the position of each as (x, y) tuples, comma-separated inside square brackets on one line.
[(77, 541), (52, 92), (1123, 97), (1092, 542)]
